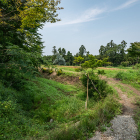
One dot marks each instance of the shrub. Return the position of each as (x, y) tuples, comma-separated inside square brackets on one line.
[(78, 69), (102, 72), (101, 86), (58, 72), (125, 63), (49, 70), (119, 75), (137, 66)]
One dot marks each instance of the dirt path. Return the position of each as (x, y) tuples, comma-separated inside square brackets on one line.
[(123, 126)]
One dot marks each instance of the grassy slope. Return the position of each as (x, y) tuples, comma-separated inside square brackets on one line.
[(26, 113)]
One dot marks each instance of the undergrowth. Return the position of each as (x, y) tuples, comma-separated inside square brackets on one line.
[(137, 117), (26, 113), (131, 77)]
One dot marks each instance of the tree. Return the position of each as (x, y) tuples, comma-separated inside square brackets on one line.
[(20, 44), (93, 62), (69, 58), (102, 51), (78, 59), (134, 50), (30, 13), (60, 51), (82, 50), (123, 45), (63, 52), (54, 51), (59, 60), (116, 53)]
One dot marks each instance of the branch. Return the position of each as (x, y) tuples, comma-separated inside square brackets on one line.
[(95, 87)]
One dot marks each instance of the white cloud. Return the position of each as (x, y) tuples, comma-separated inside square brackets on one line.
[(88, 15), (125, 5)]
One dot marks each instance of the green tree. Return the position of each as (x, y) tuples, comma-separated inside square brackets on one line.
[(63, 52), (69, 58), (59, 60), (60, 51), (102, 51), (82, 50), (20, 44), (54, 51), (134, 50), (78, 59), (93, 62)]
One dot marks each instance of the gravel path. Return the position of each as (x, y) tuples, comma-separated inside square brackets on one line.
[(123, 126)]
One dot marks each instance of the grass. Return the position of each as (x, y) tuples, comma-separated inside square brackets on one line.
[(137, 117), (131, 77), (74, 74), (26, 114), (67, 68)]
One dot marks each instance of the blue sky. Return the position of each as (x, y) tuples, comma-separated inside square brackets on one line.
[(92, 23)]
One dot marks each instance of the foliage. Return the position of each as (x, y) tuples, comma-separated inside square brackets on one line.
[(47, 70), (101, 113), (59, 60), (125, 63), (130, 75), (134, 49), (82, 50), (93, 62), (116, 53), (69, 58), (63, 52), (101, 86), (102, 72), (26, 114), (78, 59), (20, 43), (78, 69), (58, 71), (137, 66), (137, 117), (37, 12), (17, 64)]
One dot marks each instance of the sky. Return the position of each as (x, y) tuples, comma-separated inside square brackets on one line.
[(92, 23)]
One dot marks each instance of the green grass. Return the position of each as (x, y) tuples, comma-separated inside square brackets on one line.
[(74, 74), (26, 114), (137, 117), (131, 77), (67, 68)]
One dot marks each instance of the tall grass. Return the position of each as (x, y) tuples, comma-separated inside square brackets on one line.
[(130, 77), (26, 114)]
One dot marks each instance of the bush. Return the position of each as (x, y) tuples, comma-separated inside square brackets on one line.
[(119, 76), (58, 72), (137, 66), (101, 86), (125, 63), (78, 69), (102, 72), (49, 70), (128, 76)]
